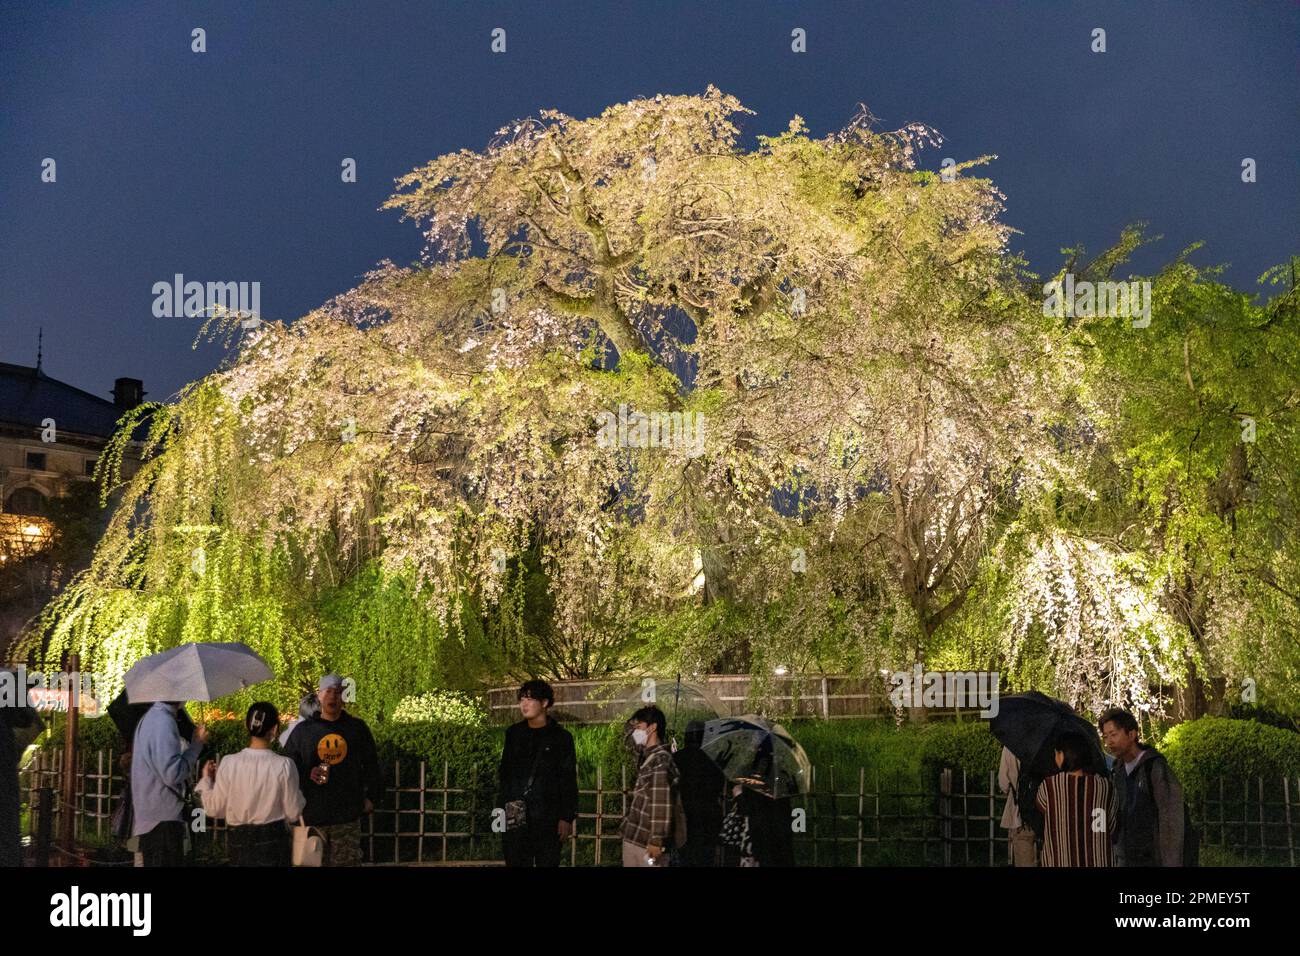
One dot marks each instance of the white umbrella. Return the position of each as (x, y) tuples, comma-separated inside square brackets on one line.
[(195, 672)]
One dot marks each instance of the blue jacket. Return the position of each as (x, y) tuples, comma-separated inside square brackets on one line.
[(161, 764)]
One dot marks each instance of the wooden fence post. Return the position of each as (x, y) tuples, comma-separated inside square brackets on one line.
[(992, 810), (1263, 836), (862, 782), (473, 809), (879, 834), (419, 839), (446, 794), (945, 814), (812, 793), (68, 816), (835, 822), (44, 825), (1286, 801), (99, 796), (1223, 840), (600, 800)]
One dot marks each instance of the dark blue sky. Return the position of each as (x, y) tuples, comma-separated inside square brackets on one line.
[(224, 166)]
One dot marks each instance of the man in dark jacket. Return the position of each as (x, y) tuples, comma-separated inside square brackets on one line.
[(338, 771), (14, 713), (538, 766), (1152, 822)]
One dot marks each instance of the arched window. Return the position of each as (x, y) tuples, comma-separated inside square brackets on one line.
[(26, 501)]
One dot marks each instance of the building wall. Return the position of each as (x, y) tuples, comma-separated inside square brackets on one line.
[(65, 461)]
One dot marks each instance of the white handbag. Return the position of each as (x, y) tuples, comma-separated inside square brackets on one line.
[(308, 847)]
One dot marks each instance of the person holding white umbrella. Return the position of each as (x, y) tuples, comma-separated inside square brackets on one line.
[(162, 763)]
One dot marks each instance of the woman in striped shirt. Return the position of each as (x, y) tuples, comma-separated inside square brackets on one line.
[(1079, 809)]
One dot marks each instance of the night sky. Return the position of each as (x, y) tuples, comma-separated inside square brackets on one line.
[(225, 166)]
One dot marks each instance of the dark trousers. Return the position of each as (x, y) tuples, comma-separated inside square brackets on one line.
[(260, 844), (698, 853), (536, 844), (10, 842), (164, 845)]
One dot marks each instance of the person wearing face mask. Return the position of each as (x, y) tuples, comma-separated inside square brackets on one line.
[(538, 780), (648, 828), (256, 792)]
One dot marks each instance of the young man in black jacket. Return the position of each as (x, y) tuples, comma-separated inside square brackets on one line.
[(539, 767), (1153, 829)]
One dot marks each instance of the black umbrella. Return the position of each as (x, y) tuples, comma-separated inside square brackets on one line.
[(125, 715), (1028, 724)]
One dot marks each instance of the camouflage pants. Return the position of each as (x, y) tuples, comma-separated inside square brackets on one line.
[(342, 844)]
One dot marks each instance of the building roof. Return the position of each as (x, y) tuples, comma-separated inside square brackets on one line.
[(28, 395)]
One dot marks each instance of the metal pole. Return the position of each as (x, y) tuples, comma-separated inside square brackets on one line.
[(68, 814)]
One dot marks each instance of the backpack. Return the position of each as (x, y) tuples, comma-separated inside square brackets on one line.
[(1191, 838)]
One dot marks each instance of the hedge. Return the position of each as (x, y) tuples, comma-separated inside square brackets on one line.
[(1200, 751), (1204, 750)]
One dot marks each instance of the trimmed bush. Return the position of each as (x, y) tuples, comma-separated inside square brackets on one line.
[(471, 753), (1201, 751), (966, 745), (100, 733)]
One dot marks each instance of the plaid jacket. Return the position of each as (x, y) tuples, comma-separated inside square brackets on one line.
[(649, 819)]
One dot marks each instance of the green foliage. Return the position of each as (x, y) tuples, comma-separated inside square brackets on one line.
[(93, 735), (962, 745), (377, 629), (1240, 751), (469, 752), (601, 746), (1200, 751), (100, 733)]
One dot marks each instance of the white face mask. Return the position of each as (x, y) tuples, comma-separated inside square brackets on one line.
[(639, 737)]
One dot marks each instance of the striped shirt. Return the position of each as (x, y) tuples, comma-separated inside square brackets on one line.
[(1079, 819)]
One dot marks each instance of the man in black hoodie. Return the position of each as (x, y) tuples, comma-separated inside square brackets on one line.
[(539, 767), (338, 771)]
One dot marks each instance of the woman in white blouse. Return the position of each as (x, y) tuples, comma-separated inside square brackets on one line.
[(256, 792)]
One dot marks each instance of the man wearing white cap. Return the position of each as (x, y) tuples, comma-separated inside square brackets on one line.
[(338, 770)]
